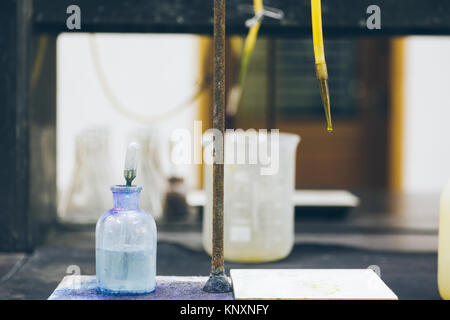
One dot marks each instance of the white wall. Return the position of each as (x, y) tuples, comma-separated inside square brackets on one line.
[(427, 114), (149, 74)]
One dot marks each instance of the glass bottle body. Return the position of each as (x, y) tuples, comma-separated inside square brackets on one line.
[(125, 239)]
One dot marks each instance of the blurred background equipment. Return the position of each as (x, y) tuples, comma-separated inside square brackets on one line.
[(176, 207), (93, 92), (87, 196), (152, 176)]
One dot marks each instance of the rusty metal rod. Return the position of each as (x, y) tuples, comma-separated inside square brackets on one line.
[(218, 282), (219, 124)]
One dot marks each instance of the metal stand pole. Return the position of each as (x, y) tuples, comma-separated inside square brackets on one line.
[(218, 282)]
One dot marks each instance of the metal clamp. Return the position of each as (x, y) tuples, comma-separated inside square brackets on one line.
[(269, 12)]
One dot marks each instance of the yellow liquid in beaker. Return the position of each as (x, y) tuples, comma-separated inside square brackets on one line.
[(444, 245)]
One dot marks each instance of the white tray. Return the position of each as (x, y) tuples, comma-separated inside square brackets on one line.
[(301, 198), (309, 284)]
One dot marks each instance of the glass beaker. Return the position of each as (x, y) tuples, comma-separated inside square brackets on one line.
[(151, 172), (125, 242), (258, 208), (86, 196)]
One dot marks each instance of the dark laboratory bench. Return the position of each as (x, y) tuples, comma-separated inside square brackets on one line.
[(366, 237)]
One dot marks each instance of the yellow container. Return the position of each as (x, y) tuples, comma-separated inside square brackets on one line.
[(444, 245)]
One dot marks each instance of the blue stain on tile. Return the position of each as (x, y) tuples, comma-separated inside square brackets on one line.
[(167, 288)]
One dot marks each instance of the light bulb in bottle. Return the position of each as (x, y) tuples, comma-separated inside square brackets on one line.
[(131, 162)]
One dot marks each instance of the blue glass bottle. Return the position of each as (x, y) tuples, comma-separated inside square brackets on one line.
[(125, 239)]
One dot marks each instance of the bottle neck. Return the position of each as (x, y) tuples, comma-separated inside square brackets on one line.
[(126, 198)]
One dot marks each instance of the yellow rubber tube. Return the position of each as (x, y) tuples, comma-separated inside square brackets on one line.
[(319, 55)]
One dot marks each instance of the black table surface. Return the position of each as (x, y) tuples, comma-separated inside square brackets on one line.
[(411, 274)]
